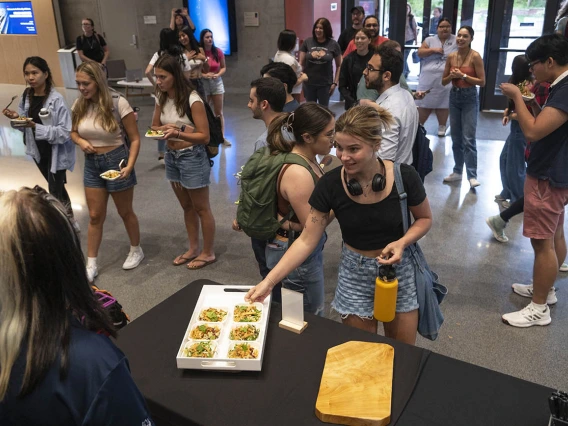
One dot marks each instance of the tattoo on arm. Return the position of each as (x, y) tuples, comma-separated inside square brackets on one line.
[(314, 219), (324, 219)]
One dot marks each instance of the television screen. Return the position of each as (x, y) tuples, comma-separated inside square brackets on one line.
[(17, 17), (214, 15)]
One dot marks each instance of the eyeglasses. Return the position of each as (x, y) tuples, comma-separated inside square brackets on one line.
[(533, 63), (371, 69)]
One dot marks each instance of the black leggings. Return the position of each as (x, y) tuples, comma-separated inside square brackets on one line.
[(517, 207), (55, 181)]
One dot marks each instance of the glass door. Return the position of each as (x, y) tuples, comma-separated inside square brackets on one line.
[(511, 27)]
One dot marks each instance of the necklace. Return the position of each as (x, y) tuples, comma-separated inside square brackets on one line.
[(464, 60), (313, 162)]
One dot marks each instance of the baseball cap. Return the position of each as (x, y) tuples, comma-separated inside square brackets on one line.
[(358, 9)]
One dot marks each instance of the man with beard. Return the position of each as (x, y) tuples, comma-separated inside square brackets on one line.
[(383, 74), (357, 15), (266, 100), (372, 24)]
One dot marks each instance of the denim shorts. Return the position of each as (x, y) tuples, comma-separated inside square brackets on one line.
[(355, 292), (213, 86), (307, 278), (188, 166), (95, 164)]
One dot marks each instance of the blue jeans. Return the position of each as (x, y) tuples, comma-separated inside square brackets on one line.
[(512, 164), (306, 278), (464, 105), (259, 250)]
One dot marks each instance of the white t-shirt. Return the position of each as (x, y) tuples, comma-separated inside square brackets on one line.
[(93, 132), (289, 59), (169, 114), (187, 65)]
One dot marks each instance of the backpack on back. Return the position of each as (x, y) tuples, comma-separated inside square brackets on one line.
[(258, 202), (422, 157), (215, 132), (115, 98)]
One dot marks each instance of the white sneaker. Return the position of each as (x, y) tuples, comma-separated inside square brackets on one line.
[(497, 226), (527, 317), (474, 183), (526, 290), (454, 177), (92, 272), (227, 142), (441, 130), (134, 258), (564, 267)]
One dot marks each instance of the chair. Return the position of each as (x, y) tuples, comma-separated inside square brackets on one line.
[(116, 70)]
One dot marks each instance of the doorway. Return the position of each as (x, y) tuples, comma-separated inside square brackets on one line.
[(120, 29)]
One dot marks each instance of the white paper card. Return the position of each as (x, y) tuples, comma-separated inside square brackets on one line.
[(293, 307), (150, 20)]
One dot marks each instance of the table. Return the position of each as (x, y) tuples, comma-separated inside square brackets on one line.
[(428, 389), (135, 85)]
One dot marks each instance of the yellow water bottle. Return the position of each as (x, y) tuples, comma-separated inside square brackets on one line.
[(386, 288)]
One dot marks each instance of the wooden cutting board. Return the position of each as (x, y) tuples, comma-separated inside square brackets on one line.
[(356, 385)]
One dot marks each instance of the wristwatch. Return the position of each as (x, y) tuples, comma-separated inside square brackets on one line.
[(182, 127), (464, 77)]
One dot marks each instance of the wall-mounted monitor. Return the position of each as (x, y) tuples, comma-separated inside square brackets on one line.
[(17, 17), (219, 17)]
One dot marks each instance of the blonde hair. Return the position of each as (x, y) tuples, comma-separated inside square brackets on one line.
[(104, 108), (366, 123), (13, 319)]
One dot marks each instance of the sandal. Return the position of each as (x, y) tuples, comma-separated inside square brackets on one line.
[(182, 260), (203, 263)]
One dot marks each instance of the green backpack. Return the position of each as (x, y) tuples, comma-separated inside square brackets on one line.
[(258, 202)]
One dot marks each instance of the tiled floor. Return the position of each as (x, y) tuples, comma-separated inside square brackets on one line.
[(477, 269)]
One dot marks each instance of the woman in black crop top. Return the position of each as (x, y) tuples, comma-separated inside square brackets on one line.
[(371, 226), (307, 132)]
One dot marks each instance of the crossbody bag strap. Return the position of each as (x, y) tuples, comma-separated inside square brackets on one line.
[(402, 196)]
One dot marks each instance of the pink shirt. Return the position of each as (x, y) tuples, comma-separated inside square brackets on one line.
[(214, 66)]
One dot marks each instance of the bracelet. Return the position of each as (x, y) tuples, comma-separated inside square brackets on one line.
[(334, 84), (271, 282), (178, 135)]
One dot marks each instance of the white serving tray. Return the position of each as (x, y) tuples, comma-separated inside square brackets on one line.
[(218, 296)]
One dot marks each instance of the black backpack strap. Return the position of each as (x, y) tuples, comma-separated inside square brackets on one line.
[(402, 196)]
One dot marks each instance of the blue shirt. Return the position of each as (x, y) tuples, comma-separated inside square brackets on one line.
[(549, 155), (98, 389), (291, 106)]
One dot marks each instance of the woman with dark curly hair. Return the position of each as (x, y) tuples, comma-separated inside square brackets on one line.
[(317, 55)]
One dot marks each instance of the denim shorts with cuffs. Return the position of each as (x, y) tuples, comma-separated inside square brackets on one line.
[(355, 292), (95, 164), (189, 167), (213, 86)]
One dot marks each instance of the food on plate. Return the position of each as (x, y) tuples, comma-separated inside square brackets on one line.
[(212, 315), (111, 174), (199, 350), (524, 87), (22, 118), (244, 332), (247, 313), (205, 332), (243, 351), (154, 133)]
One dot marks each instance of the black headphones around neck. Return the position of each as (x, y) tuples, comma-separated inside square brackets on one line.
[(377, 184)]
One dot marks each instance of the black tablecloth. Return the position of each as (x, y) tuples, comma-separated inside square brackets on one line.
[(428, 389), (283, 393)]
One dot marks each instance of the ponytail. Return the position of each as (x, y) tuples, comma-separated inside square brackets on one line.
[(276, 140)]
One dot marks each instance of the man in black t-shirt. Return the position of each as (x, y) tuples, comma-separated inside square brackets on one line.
[(91, 46), (546, 185), (357, 16)]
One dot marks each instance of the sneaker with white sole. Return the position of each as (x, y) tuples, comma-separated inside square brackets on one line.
[(505, 204), (526, 290), (134, 258), (528, 316), (474, 183), (499, 198), (497, 226), (564, 267), (441, 130), (92, 272), (454, 177)]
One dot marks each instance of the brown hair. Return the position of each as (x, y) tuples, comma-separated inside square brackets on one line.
[(310, 118), (182, 87)]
